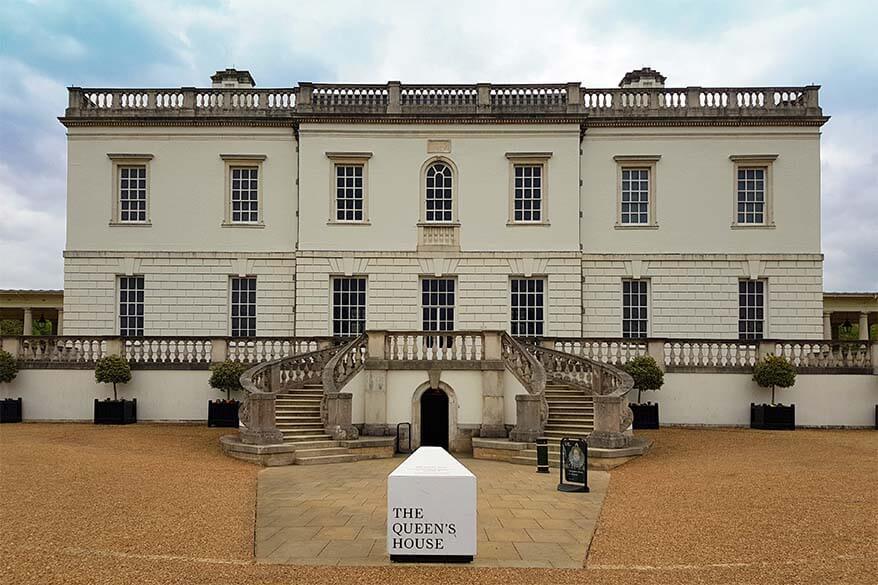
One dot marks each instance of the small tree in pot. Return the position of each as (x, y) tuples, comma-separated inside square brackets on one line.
[(647, 376), (114, 370), (225, 377), (10, 408), (773, 371)]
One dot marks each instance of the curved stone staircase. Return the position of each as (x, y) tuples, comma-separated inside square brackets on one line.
[(298, 418), (571, 414)]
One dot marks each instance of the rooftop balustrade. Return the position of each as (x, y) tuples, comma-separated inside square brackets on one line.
[(565, 100)]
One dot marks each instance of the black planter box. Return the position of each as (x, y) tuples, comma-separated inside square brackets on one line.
[(10, 410), (646, 416), (222, 414), (773, 417), (115, 412)]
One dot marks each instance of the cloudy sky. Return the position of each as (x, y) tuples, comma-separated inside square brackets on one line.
[(46, 45)]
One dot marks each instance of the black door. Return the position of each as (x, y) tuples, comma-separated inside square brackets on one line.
[(434, 419)]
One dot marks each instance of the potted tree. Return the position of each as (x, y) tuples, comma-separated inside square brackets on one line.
[(114, 370), (647, 376), (225, 377), (773, 371), (10, 408)]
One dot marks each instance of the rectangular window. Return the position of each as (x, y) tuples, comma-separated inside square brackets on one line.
[(635, 196), (348, 306), (528, 193), (132, 194), (437, 306), (243, 306), (751, 309), (130, 306), (635, 308), (527, 303), (245, 194), (349, 192), (751, 195)]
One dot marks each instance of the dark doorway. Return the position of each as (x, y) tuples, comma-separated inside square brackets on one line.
[(434, 419)]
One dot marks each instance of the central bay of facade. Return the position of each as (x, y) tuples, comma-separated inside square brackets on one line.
[(542, 211)]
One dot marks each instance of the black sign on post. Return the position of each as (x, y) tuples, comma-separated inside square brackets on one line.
[(574, 465)]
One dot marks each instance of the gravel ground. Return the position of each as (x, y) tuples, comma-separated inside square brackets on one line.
[(160, 504)]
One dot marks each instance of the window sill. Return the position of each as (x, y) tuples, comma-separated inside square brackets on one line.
[(636, 226), (259, 225), (438, 224), (753, 226), (512, 223), (130, 224), (336, 222)]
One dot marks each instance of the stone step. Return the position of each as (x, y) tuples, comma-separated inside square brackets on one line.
[(287, 399), (300, 426), (305, 435), (300, 396), (320, 452), (292, 418), (322, 459), (580, 434), (316, 444), (297, 410), (568, 421)]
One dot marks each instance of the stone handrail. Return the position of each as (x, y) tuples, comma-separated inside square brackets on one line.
[(395, 98), (530, 372), (608, 385), (335, 407)]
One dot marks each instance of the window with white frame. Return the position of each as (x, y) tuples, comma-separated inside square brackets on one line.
[(635, 196), (131, 291), (244, 197), (527, 193), (439, 193), (751, 309), (635, 308), (349, 192), (527, 303), (348, 306), (437, 304), (751, 195), (132, 193), (243, 306)]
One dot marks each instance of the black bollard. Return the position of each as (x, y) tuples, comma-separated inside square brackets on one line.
[(542, 455)]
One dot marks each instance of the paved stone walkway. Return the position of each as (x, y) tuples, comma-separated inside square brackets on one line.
[(336, 515)]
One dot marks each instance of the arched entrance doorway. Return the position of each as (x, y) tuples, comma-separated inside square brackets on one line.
[(434, 418)]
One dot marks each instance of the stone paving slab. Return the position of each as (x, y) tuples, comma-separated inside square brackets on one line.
[(337, 515)]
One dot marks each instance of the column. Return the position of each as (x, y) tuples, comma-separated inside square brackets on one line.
[(28, 322), (827, 325), (864, 326), (60, 330)]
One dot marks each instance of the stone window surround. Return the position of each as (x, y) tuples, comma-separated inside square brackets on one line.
[(422, 191), (763, 161), (638, 161), (348, 158), (118, 160), (533, 159), (243, 160)]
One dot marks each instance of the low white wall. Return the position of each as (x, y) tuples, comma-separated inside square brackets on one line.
[(724, 399), (172, 395), (698, 399)]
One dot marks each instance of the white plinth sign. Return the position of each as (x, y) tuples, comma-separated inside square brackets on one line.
[(431, 509)]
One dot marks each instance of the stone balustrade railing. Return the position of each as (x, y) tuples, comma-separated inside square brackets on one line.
[(154, 352), (674, 355), (394, 98), (426, 346), (532, 409)]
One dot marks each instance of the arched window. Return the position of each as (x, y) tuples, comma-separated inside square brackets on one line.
[(439, 193)]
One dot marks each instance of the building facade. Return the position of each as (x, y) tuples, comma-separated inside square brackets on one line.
[(542, 210)]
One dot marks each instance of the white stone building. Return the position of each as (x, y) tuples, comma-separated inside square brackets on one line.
[(547, 210)]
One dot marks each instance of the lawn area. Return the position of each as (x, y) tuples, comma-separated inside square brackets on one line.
[(161, 504)]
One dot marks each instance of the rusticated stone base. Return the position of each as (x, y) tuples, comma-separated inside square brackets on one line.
[(606, 440), (493, 431)]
